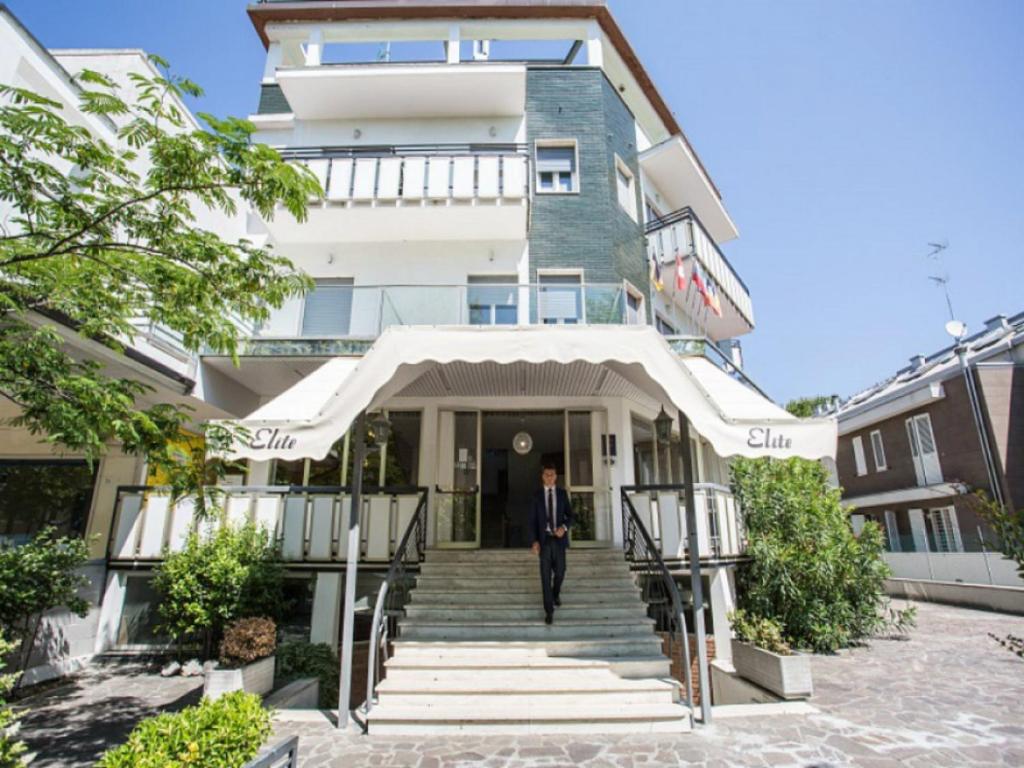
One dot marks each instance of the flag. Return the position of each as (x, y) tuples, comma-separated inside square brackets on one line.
[(656, 274), (715, 302), (680, 273), (698, 281)]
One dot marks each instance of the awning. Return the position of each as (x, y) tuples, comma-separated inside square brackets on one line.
[(306, 420)]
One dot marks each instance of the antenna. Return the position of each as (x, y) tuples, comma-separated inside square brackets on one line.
[(941, 280)]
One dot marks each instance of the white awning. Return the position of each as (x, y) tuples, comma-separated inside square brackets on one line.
[(306, 420)]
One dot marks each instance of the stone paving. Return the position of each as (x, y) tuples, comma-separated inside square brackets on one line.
[(948, 695)]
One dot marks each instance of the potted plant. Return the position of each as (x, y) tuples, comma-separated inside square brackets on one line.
[(247, 659), (761, 655)]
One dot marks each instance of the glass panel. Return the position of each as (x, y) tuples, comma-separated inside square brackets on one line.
[(289, 472), (298, 612), (462, 505), (35, 494), (605, 304), (327, 471), (403, 449), (492, 300), (581, 461), (422, 305), (139, 619), (584, 516), (643, 453)]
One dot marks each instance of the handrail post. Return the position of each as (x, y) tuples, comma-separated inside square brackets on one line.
[(696, 586)]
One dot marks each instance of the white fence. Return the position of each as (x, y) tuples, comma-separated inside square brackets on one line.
[(719, 523), (964, 567)]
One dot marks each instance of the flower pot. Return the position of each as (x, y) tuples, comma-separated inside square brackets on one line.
[(257, 677), (785, 676)]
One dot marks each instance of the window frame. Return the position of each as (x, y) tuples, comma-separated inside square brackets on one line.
[(878, 450), (539, 144), (622, 169), (491, 281)]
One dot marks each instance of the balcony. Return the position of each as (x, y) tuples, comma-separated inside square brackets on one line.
[(412, 192), (682, 232), (720, 534)]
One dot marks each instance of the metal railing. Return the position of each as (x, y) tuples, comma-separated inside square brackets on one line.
[(392, 597), (283, 755), (659, 589)]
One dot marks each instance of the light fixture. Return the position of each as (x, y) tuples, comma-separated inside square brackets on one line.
[(663, 427), (380, 428), (522, 443)]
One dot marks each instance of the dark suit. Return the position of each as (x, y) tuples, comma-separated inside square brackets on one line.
[(552, 548)]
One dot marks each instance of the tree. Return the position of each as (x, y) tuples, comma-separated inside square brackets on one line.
[(34, 578), (104, 233), (10, 748), (805, 407), (1007, 524), (807, 571)]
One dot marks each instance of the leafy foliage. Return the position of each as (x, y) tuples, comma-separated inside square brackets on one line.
[(105, 231), (1008, 525), (35, 577), (248, 640), (805, 407), (225, 733), (808, 572), (301, 659), (213, 581), (10, 748), (762, 632)]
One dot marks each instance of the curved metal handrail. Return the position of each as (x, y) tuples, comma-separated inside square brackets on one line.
[(393, 600), (659, 588)]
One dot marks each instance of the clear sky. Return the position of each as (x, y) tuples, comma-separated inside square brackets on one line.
[(844, 134)]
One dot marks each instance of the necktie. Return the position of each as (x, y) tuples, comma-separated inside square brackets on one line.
[(551, 509)]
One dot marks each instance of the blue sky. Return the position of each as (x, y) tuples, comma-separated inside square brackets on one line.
[(844, 135)]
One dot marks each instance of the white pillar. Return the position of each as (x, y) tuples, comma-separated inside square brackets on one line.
[(259, 473), (621, 472), (722, 602), (275, 57), (451, 47), (326, 609), (918, 530), (111, 609), (314, 48), (595, 45)]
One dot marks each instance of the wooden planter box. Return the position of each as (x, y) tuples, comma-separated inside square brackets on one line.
[(785, 676), (257, 677)]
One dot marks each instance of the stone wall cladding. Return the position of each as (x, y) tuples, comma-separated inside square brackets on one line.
[(588, 230)]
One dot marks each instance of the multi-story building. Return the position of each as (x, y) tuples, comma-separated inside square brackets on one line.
[(912, 456), (517, 261)]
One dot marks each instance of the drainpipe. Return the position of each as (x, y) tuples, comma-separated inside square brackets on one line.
[(696, 585), (351, 573), (979, 423)]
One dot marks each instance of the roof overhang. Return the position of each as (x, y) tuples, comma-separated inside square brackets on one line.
[(306, 420), (675, 170), (923, 494), (876, 411)]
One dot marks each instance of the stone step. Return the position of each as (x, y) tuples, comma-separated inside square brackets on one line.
[(533, 612), (524, 554), (519, 570), (581, 648), (470, 715), (523, 583), (510, 631), (654, 666), (489, 598), (520, 681)]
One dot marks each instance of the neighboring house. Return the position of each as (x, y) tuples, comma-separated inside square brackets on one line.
[(911, 457), (507, 200)]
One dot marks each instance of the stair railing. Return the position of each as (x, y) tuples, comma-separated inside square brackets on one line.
[(659, 589), (394, 594)]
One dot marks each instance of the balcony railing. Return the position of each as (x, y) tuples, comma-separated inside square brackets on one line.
[(662, 509), (309, 523), (418, 174), (682, 232)]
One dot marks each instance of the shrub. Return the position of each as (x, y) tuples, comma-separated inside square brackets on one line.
[(317, 660), (762, 632), (214, 734), (35, 577), (210, 583), (248, 640), (10, 748), (807, 572)]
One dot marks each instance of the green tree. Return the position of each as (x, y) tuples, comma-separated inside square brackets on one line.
[(35, 577), (10, 748), (807, 571), (232, 574), (103, 233), (1007, 524), (805, 407)]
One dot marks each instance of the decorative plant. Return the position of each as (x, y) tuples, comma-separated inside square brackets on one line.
[(808, 572), (10, 748), (248, 640), (225, 733), (212, 582), (35, 577), (301, 659), (764, 633)]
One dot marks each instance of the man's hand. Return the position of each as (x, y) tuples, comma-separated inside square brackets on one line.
[(560, 531), (536, 547)]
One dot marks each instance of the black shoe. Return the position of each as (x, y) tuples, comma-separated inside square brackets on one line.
[(548, 618), (558, 602)]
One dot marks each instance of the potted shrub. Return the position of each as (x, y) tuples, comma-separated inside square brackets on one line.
[(761, 655), (246, 657)]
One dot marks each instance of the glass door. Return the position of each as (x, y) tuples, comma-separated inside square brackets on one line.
[(585, 477), (457, 502)]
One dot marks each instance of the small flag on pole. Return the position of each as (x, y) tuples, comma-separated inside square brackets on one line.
[(656, 274), (680, 273)]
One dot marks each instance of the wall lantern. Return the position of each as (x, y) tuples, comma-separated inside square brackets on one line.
[(663, 427), (380, 428)]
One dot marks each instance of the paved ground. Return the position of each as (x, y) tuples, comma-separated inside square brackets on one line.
[(947, 696)]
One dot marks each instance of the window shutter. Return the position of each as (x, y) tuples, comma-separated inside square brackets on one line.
[(556, 159), (878, 449), (328, 309), (559, 299), (858, 456)]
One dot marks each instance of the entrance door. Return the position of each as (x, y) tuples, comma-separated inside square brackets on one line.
[(458, 480)]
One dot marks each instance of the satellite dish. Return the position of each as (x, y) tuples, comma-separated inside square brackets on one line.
[(956, 329)]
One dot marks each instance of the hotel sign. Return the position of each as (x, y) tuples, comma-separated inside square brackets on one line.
[(272, 439), (764, 438)]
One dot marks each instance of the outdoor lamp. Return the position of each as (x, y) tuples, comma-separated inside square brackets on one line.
[(381, 429), (663, 427)]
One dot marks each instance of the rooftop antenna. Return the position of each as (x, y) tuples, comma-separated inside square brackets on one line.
[(941, 280)]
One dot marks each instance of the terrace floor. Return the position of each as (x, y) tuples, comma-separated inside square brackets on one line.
[(948, 695)]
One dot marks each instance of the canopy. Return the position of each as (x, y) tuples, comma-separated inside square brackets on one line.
[(306, 420)]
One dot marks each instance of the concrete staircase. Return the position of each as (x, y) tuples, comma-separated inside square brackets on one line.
[(474, 654)]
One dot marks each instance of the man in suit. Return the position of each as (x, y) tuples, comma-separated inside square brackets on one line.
[(550, 520)]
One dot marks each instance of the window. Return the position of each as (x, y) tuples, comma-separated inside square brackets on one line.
[(923, 450), (858, 456), (36, 494), (556, 168), (328, 308), (625, 185), (892, 531), (945, 530), (493, 300), (560, 299), (664, 327), (878, 449), (651, 211), (634, 308)]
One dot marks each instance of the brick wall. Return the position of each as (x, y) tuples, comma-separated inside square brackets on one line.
[(676, 657)]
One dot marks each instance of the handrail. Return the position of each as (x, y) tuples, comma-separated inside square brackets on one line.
[(659, 588), (400, 150), (287, 750), (393, 600)]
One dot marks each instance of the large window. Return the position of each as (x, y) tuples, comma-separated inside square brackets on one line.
[(492, 300), (328, 308), (556, 167), (560, 299), (36, 494)]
